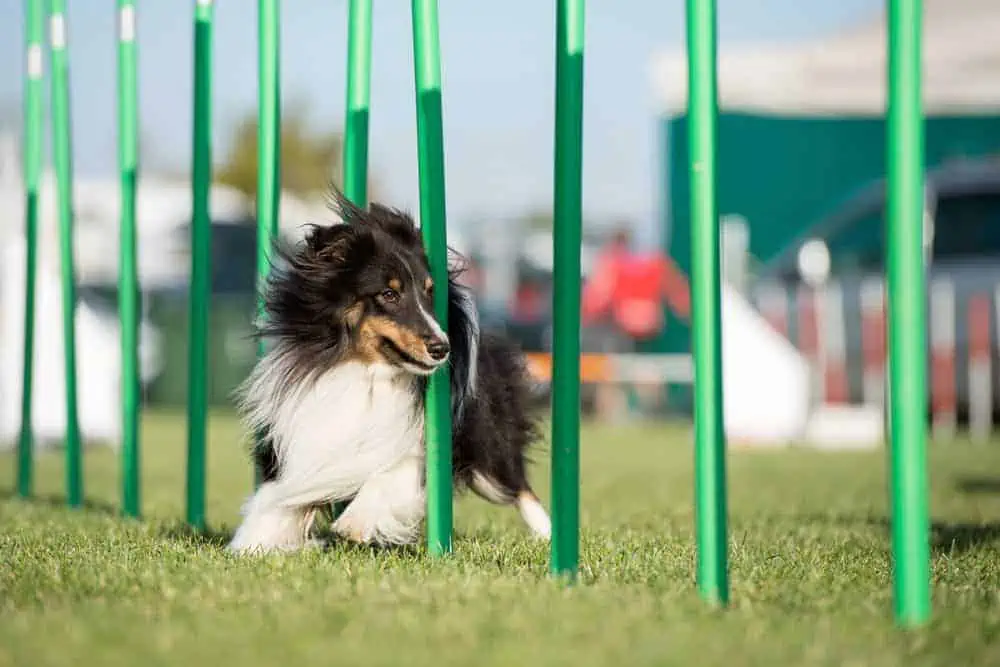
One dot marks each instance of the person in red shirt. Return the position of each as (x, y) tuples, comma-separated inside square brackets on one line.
[(626, 291), (631, 288)]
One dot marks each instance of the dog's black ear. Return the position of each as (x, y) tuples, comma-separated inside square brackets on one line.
[(325, 244)]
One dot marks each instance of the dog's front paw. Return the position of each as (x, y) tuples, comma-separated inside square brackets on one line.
[(359, 529), (268, 533), (353, 529)]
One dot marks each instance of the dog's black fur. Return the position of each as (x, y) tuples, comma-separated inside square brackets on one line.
[(311, 307)]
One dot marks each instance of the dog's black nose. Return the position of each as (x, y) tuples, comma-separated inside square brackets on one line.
[(438, 349)]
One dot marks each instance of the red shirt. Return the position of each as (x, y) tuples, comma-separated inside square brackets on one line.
[(528, 305), (632, 286)]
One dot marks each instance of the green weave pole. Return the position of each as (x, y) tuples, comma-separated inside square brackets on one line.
[(62, 149), (430, 146), (128, 272), (907, 323), (567, 212), (359, 65), (268, 147), (706, 321), (201, 258), (34, 37)]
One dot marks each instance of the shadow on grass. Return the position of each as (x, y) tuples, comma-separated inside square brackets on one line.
[(978, 485), (182, 532), (962, 537), (405, 550), (333, 541), (176, 530), (59, 502), (218, 539), (179, 531), (947, 537)]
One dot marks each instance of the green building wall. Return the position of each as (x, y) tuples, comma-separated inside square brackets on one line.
[(783, 173)]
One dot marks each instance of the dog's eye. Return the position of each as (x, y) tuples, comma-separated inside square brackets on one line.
[(390, 296)]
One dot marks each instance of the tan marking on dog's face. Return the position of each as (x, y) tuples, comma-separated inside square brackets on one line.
[(376, 328), (396, 284), (428, 284), (368, 342), (353, 314)]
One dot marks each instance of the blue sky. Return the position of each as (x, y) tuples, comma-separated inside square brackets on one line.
[(498, 76)]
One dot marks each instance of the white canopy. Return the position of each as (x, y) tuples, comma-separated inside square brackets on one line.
[(845, 74)]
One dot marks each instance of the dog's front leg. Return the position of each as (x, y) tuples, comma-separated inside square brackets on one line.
[(389, 507), (271, 523)]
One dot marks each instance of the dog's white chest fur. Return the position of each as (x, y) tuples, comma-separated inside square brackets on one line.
[(352, 422), (355, 431)]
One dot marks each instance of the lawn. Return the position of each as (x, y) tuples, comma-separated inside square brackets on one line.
[(810, 569)]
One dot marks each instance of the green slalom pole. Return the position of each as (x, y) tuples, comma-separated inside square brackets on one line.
[(268, 148), (907, 330), (62, 149), (201, 260), (568, 213), (359, 63), (34, 36), (128, 272), (710, 455), (430, 144)]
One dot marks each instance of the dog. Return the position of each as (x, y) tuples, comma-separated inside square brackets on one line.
[(337, 401)]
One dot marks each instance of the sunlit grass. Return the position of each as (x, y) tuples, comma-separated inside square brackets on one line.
[(810, 569)]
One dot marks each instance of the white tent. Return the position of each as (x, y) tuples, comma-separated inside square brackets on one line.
[(845, 74), (97, 331), (163, 208), (98, 358)]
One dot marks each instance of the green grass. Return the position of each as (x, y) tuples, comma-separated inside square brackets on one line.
[(810, 570)]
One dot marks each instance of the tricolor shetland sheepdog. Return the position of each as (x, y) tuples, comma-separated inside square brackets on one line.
[(337, 402)]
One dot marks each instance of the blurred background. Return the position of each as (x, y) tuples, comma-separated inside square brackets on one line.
[(801, 195)]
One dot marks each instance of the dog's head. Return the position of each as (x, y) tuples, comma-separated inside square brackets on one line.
[(361, 289)]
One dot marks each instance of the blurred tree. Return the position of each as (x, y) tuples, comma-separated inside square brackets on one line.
[(536, 221), (310, 160)]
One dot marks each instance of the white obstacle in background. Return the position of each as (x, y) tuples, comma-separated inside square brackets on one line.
[(766, 393)]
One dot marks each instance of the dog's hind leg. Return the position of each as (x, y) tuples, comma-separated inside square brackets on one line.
[(513, 491), (534, 514)]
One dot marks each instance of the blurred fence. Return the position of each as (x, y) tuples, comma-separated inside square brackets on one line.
[(840, 328)]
